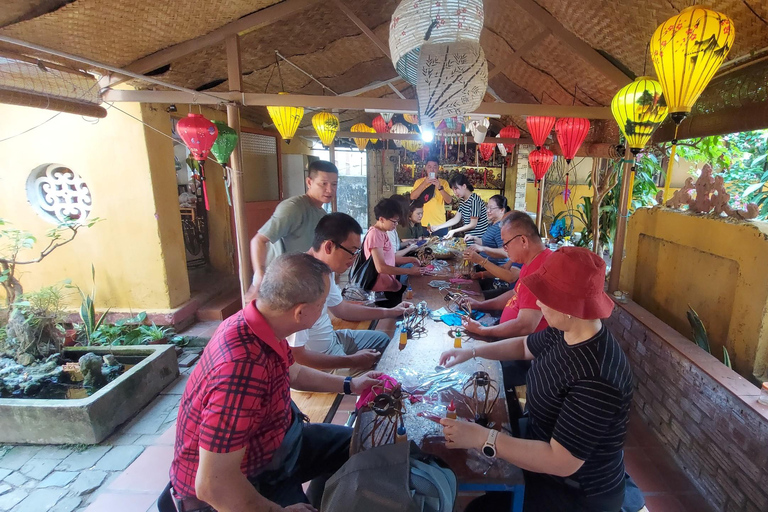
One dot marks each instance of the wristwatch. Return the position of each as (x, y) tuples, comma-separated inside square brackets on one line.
[(348, 385), (489, 448)]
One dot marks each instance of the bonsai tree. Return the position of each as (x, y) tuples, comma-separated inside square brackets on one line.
[(13, 241)]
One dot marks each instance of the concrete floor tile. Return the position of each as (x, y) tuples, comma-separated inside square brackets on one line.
[(38, 468), (79, 461), (58, 479), (10, 499), (17, 457), (68, 504), (119, 458), (39, 500), (53, 452)]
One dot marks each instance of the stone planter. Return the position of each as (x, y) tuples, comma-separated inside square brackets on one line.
[(90, 420)]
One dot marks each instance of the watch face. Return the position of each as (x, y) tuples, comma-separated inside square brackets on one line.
[(488, 451)]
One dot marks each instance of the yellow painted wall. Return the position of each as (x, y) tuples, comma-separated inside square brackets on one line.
[(160, 147), (718, 266), (138, 260)]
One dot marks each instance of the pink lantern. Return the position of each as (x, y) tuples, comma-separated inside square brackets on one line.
[(540, 161), (199, 134)]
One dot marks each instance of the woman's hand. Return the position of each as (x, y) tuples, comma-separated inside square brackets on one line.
[(449, 235), (416, 271), (455, 356), (471, 238), (463, 434)]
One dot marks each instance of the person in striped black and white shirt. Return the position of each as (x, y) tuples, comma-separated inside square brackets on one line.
[(579, 390), (472, 217)]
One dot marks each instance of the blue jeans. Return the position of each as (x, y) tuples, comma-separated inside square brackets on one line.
[(404, 278)]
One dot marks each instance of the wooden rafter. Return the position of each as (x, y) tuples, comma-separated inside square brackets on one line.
[(350, 103), (362, 26), (576, 44)]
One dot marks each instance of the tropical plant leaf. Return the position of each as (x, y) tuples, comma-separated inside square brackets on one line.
[(699, 331), (727, 359)]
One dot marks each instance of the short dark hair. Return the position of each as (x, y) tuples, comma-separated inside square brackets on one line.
[(521, 221), (405, 205), (321, 166), (293, 279), (460, 179), (432, 158), (387, 208), (335, 227), (500, 201), (415, 205)]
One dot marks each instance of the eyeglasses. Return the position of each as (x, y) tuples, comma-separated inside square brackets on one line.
[(505, 244), (491, 208), (394, 221), (347, 250)]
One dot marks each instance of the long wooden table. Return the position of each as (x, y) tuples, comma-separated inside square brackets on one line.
[(421, 356)]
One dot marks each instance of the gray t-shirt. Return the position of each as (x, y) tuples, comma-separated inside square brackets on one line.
[(292, 227)]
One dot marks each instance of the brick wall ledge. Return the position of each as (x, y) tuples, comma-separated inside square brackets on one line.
[(731, 381)]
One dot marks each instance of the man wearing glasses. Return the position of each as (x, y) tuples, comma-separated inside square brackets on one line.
[(520, 315), (336, 243)]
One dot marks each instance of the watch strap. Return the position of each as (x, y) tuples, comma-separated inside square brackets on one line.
[(348, 385), (491, 443)]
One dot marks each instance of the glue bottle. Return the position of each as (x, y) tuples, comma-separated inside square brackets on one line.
[(450, 412), (403, 339), (409, 293), (457, 340), (401, 436)]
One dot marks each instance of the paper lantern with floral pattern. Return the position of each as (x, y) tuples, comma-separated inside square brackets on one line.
[(326, 125), (286, 119)]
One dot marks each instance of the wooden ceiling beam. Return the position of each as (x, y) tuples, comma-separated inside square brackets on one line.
[(350, 103), (253, 21), (520, 53), (362, 26), (581, 48)]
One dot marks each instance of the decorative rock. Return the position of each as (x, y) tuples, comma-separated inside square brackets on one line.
[(25, 359), (90, 366), (110, 360), (711, 196)]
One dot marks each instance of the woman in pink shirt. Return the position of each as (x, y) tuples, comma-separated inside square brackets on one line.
[(378, 246)]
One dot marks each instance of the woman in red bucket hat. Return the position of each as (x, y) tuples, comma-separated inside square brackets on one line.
[(579, 390)]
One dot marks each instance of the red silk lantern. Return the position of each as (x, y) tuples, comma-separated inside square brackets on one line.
[(539, 128), (509, 132), (380, 125), (198, 134), (540, 161), (571, 132), (486, 150)]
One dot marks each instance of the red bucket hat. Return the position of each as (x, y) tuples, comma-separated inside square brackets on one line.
[(571, 281)]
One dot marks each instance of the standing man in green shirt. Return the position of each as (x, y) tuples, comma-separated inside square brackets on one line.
[(292, 227), (434, 193)]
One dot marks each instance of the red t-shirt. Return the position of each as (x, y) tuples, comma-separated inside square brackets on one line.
[(523, 298), (237, 396)]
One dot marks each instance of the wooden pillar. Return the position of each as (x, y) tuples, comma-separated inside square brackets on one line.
[(540, 206), (621, 222), (236, 161)]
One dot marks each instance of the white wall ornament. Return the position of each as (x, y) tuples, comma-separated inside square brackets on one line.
[(452, 80), (416, 22), (58, 194)]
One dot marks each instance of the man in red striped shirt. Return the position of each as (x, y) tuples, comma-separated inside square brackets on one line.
[(241, 444)]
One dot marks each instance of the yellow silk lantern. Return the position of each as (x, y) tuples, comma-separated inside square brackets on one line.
[(286, 119), (687, 51), (411, 118), (326, 125), (413, 145), (363, 128), (639, 108)]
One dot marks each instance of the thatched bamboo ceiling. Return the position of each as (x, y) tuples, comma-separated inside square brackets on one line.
[(325, 43)]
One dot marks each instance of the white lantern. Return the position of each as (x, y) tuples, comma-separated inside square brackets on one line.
[(416, 22), (401, 129), (387, 116), (452, 81)]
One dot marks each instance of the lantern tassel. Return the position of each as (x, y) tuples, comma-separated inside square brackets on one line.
[(668, 177), (566, 192), (205, 189), (227, 182)]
